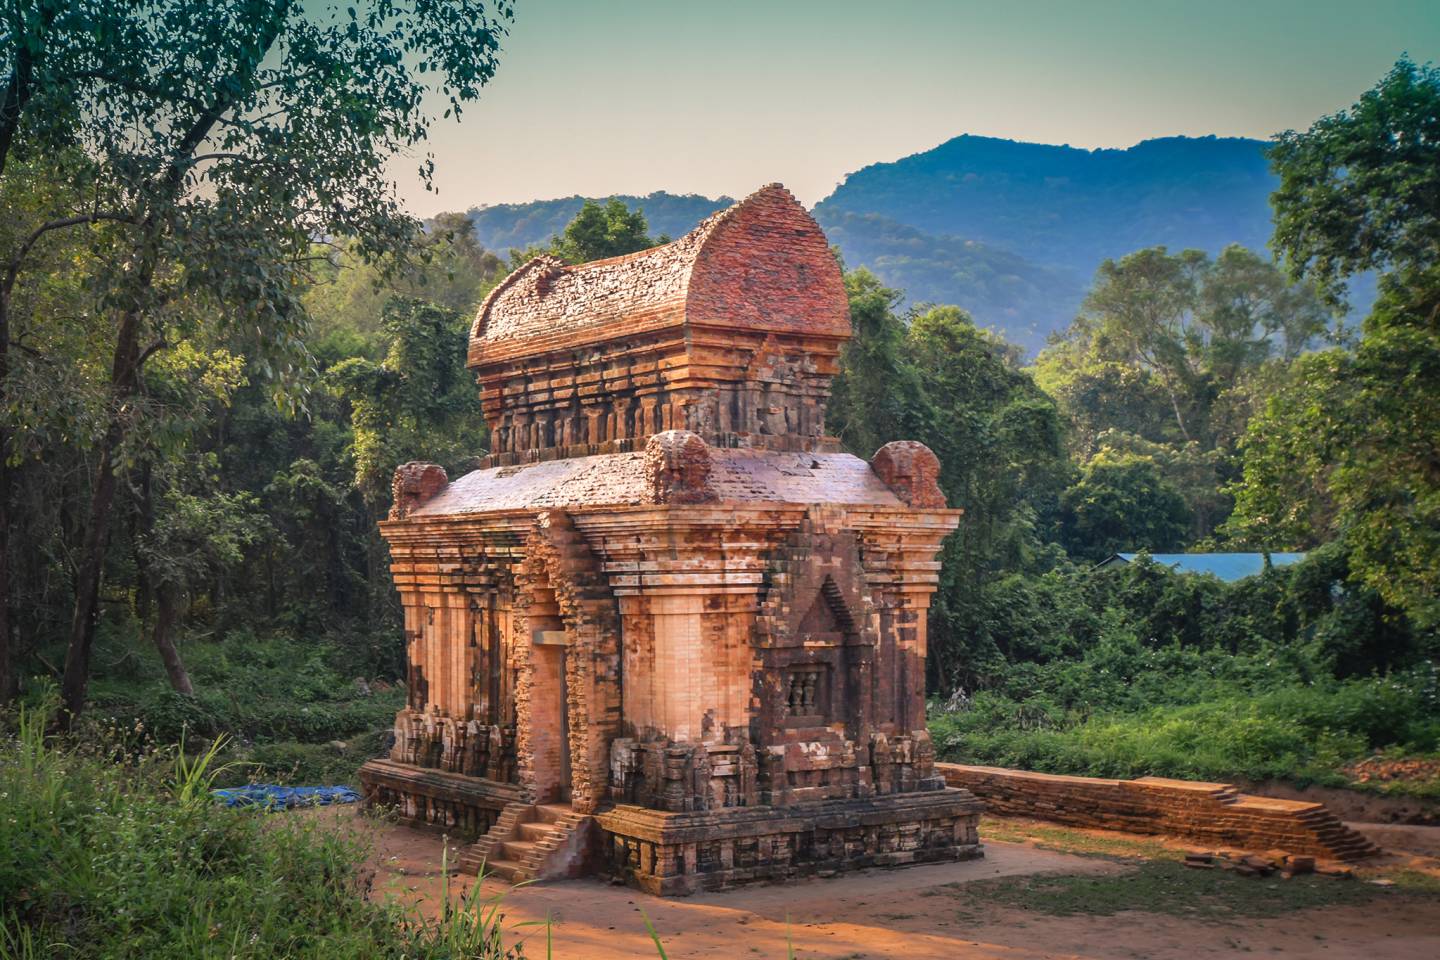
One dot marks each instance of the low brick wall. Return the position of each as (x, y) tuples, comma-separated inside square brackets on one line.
[(1205, 813)]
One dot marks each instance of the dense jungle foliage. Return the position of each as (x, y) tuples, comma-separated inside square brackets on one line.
[(201, 407)]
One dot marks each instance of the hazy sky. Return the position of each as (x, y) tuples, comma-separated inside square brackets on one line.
[(631, 96)]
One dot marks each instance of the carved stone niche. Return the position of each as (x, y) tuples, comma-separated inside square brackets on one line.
[(815, 645), (683, 777)]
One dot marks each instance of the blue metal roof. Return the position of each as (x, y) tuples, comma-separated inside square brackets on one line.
[(1227, 566)]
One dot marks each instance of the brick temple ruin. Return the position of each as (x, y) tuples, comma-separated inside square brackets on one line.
[(669, 633)]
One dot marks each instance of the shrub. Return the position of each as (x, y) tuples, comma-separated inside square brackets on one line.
[(99, 853)]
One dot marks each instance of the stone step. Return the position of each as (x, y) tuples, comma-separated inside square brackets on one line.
[(553, 812), (537, 830), (516, 849), (521, 843), (510, 871)]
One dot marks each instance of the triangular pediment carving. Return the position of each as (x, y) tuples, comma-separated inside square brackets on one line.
[(816, 587)]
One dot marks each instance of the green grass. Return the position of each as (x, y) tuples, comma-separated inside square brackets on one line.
[(1154, 880), (1161, 887), (289, 711), (1302, 733)]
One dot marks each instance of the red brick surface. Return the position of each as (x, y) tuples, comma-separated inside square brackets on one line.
[(1207, 813), (731, 332), (622, 479), (762, 264)]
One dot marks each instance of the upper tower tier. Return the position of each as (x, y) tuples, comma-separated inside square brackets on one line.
[(731, 332)]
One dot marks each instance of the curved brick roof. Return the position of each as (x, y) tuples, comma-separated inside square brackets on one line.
[(760, 264)]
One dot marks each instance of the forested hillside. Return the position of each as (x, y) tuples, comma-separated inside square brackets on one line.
[(1068, 207), (1010, 231), (506, 226)]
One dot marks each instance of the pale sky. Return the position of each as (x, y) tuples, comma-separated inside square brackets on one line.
[(632, 96)]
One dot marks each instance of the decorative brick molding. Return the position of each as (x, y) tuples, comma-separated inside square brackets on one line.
[(674, 854), (1204, 813), (463, 807), (731, 332)]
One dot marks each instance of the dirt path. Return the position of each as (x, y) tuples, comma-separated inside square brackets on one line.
[(1402, 838), (911, 913)]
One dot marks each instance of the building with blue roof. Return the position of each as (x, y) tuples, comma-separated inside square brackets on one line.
[(1226, 566)]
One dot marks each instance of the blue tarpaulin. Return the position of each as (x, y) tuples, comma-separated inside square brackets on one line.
[(273, 797)]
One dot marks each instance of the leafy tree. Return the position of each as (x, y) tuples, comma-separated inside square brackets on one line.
[(1360, 190), (1140, 311), (599, 232), (876, 397), (419, 401), (1349, 448), (1098, 395), (1170, 358), (195, 538), (943, 381), (1199, 476), (1122, 503), (217, 141), (447, 267), (1197, 326)]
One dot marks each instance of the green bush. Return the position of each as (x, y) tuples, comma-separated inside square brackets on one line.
[(101, 856), (255, 690)]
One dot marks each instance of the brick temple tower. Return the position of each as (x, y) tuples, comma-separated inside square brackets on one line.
[(669, 632)]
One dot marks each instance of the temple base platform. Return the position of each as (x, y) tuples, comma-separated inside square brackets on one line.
[(674, 854)]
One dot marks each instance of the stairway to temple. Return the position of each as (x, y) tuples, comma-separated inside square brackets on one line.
[(530, 842)]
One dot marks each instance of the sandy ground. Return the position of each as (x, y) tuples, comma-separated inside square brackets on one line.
[(888, 914)]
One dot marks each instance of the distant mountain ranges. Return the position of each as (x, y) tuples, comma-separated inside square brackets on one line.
[(1010, 231)]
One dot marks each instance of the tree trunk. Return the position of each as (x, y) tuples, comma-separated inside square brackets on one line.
[(8, 685), (123, 378), (166, 611), (142, 524), (125, 373), (1175, 405)]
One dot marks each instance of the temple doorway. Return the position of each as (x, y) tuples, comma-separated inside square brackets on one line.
[(550, 716)]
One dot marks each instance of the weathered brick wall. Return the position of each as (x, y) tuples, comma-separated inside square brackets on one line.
[(1206, 813), (670, 854), (766, 265), (731, 332)]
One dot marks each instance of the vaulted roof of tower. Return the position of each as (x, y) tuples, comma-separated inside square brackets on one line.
[(762, 264)]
